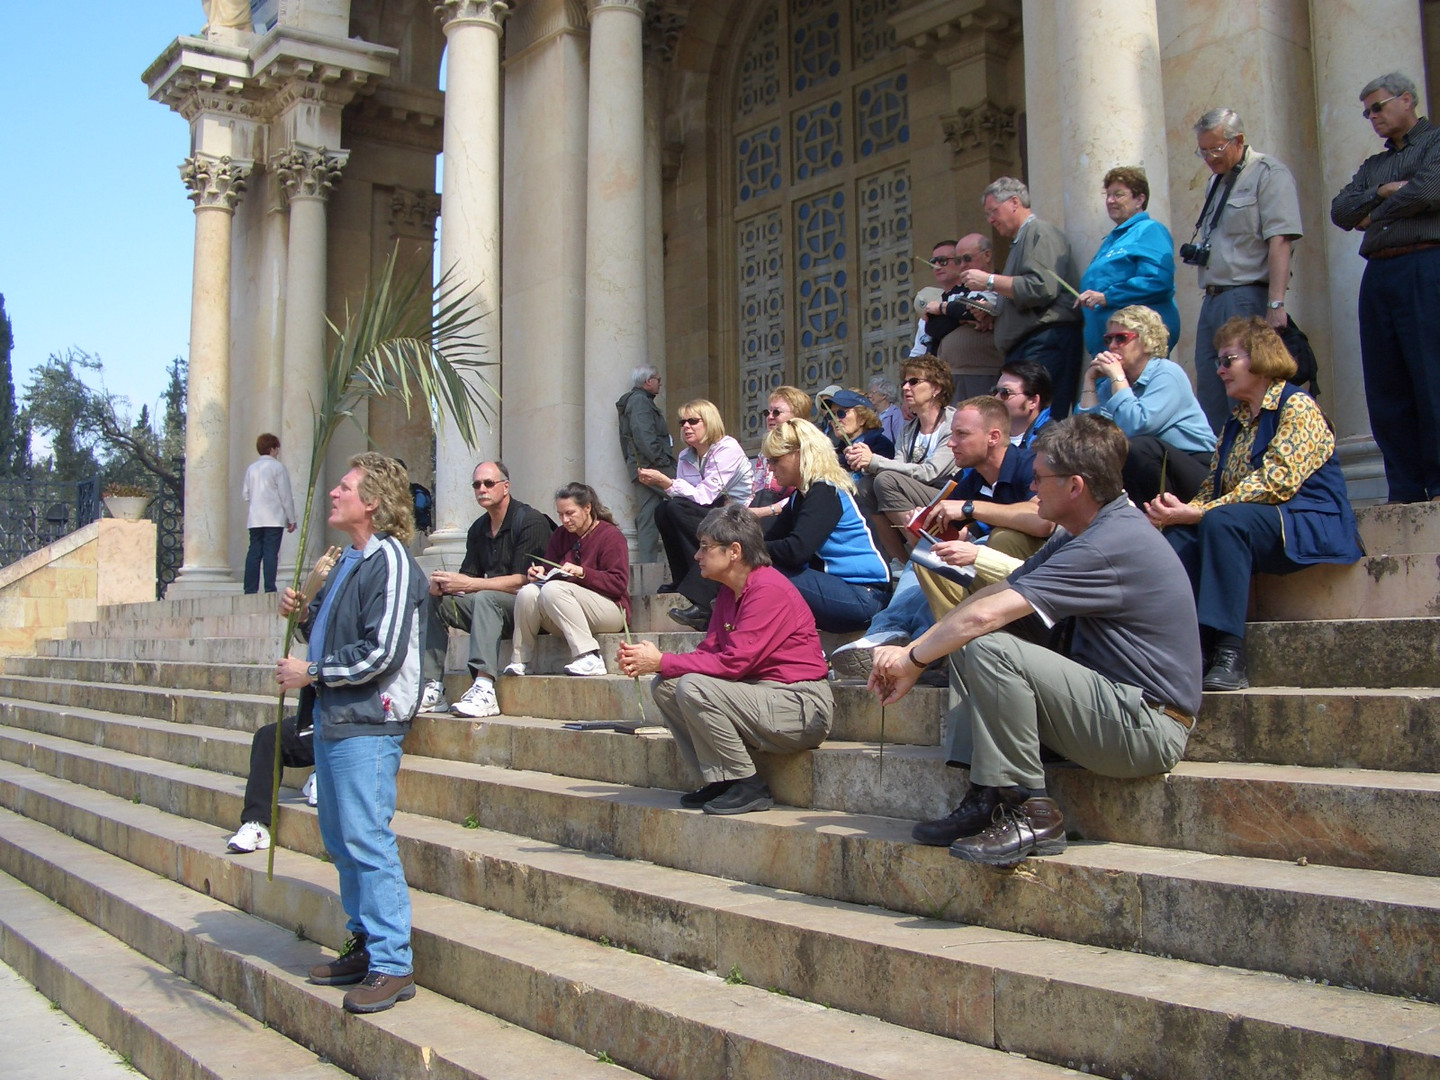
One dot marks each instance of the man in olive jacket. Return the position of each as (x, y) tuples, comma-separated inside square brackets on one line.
[(645, 442)]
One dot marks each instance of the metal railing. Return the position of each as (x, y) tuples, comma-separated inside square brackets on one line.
[(33, 515)]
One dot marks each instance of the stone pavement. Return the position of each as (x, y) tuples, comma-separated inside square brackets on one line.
[(42, 1043)]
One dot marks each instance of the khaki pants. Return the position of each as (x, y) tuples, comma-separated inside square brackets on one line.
[(714, 720), (1018, 695), (563, 607), (945, 594)]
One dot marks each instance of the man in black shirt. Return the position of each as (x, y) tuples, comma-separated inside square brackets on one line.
[(480, 597)]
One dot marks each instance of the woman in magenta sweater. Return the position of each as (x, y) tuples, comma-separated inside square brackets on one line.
[(587, 590), (757, 680)]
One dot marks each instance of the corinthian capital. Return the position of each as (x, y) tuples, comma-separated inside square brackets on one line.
[(214, 182), (309, 174), (593, 7), (483, 11)]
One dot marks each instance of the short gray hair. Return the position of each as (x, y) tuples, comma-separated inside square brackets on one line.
[(1007, 187), (642, 374), (886, 387), (1226, 120), (1393, 83)]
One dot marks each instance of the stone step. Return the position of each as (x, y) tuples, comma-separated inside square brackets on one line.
[(1400, 529), (267, 627), (260, 966), (207, 650), (163, 1024), (1377, 587), (660, 1019), (1370, 819), (1377, 653), (967, 982)]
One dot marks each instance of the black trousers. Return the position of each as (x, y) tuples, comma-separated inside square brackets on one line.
[(1184, 473), (296, 752)]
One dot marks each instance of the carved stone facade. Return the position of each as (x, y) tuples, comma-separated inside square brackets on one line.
[(309, 174), (214, 183)]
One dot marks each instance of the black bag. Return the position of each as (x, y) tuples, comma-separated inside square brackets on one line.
[(1307, 367)]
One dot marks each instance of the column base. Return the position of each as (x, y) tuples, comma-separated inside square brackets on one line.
[(1364, 469), (203, 581), (446, 547)]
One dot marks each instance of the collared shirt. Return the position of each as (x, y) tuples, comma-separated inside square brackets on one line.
[(1263, 203), (1159, 403), (1303, 442), (267, 490), (1040, 254), (724, 470), (1412, 214), (524, 532)]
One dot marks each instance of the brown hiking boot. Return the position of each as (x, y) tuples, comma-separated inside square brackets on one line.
[(349, 967), (377, 992)]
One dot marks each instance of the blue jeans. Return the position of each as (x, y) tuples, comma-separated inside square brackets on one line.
[(839, 606), (264, 547), (355, 782), (908, 611)]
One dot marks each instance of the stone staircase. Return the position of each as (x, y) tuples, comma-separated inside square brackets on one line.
[(1270, 908)]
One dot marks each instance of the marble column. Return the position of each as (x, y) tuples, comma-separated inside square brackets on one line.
[(470, 241), (615, 278), (215, 187), (1108, 67), (1351, 45), (306, 175)]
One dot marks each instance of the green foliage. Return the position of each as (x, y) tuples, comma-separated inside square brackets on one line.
[(604, 1058), (735, 978), (13, 456), (471, 821)]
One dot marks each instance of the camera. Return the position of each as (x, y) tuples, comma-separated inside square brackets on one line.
[(1195, 254)]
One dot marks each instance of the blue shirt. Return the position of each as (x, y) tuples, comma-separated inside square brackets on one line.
[(1134, 265), (1159, 403), (321, 626)]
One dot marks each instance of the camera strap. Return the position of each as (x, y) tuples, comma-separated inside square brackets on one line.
[(1224, 187)]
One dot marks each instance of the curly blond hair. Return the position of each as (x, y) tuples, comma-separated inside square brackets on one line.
[(386, 483), (818, 460)]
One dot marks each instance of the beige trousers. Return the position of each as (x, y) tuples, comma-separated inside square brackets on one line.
[(1005, 550), (563, 607)]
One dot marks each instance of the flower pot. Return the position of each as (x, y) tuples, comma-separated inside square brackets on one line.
[(127, 507)]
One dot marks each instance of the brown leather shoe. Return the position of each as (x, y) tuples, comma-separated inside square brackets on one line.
[(349, 967), (377, 992), (972, 815), (1035, 827)]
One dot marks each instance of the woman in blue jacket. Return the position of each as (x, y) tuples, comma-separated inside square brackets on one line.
[(1135, 263)]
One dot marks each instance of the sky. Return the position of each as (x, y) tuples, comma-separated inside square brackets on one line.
[(96, 231)]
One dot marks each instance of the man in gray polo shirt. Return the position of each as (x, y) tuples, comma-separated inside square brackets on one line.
[(1241, 246), (1121, 702)]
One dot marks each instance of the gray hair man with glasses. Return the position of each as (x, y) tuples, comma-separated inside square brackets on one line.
[(1394, 199), (1241, 244), (957, 325), (646, 444)]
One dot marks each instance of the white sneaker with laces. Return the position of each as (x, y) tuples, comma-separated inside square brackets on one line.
[(251, 837), (479, 701), (515, 667), (588, 664), (432, 697), (309, 791)]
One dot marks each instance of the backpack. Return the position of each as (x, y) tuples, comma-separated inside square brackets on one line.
[(424, 507), (1307, 367)]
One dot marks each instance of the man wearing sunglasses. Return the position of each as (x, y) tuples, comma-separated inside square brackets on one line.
[(1395, 200), (1241, 247), (502, 544), (950, 327)]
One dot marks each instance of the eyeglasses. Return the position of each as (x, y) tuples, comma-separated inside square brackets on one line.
[(1004, 393), (1118, 194), (913, 379), (1371, 110), (765, 412), (1038, 476), (840, 414), (476, 485), (1224, 360), (706, 545), (1215, 151), (690, 421), (945, 260), (1123, 337)]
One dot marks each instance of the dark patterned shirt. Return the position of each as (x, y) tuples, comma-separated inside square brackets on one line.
[(1412, 214)]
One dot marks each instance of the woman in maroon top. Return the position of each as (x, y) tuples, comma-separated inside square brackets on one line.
[(586, 593), (757, 680)]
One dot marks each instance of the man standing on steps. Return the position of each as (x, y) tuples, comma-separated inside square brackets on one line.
[(1122, 699), (503, 543), (645, 442), (272, 510), (360, 685)]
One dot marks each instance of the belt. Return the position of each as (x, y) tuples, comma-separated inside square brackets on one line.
[(1216, 290), (1407, 249), (1180, 716)]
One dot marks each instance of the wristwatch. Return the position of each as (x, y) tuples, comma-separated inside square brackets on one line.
[(314, 672), (967, 511), (1275, 305)]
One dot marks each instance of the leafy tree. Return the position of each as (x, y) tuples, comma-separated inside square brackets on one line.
[(89, 430), (13, 456), (172, 429)]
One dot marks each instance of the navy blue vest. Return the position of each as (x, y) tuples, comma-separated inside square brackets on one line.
[(1318, 524)]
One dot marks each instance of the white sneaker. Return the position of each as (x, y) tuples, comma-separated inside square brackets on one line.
[(251, 837), (432, 697), (309, 791), (869, 641), (515, 667), (853, 662), (479, 701), (589, 664)]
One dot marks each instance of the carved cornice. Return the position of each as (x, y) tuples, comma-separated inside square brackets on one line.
[(950, 32), (401, 116), (664, 22), (987, 130), (214, 183), (413, 213), (306, 173), (532, 24), (490, 12)]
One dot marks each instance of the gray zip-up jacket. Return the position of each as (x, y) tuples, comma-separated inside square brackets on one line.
[(369, 677)]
